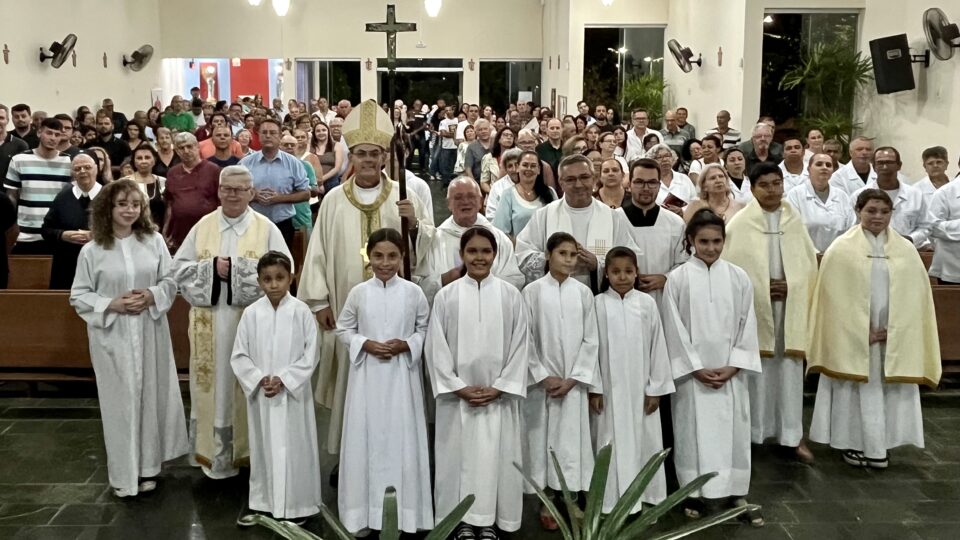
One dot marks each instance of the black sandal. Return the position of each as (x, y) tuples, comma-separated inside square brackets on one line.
[(855, 458), (694, 508), (751, 517), (488, 533), (464, 532)]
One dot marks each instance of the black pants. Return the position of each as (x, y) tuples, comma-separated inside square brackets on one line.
[(942, 282), (287, 230), (40, 247)]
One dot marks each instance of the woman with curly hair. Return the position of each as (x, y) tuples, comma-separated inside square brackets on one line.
[(123, 290)]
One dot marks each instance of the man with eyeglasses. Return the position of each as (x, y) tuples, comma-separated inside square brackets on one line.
[(910, 214), (65, 146), (658, 233), (596, 226), (335, 261), (190, 192), (279, 180), (216, 270)]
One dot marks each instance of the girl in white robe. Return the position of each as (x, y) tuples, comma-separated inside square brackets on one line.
[(274, 356), (123, 290), (564, 370), (476, 352), (635, 370), (384, 441), (711, 332)]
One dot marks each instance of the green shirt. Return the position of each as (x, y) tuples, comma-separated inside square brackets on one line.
[(303, 219), (179, 122)]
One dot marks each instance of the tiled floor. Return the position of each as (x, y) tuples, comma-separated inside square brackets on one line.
[(53, 485)]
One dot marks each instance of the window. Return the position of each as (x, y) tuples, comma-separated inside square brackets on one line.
[(333, 79), (502, 81), (638, 49)]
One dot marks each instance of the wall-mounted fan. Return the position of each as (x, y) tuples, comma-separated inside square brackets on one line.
[(683, 56), (942, 36), (139, 58), (59, 51)]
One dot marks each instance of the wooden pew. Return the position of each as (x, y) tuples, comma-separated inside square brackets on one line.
[(946, 301), (48, 340), (30, 271)]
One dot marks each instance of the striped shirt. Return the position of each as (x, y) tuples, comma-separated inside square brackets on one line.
[(730, 139), (39, 181)]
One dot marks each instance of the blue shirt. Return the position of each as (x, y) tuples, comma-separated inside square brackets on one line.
[(284, 174)]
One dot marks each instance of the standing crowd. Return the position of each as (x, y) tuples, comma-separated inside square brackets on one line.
[(595, 284)]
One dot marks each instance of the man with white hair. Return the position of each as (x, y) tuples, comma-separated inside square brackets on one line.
[(191, 190), (761, 148), (216, 270), (438, 248), (477, 149)]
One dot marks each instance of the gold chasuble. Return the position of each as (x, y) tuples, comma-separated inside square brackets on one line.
[(747, 246), (840, 314), (202, 334), (369, 217)]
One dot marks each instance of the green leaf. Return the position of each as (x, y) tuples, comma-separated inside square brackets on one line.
[(548, 503), (598, 486), (335, 524), (446, 526), (704, 523), (618, 516), (649, 516), (573, 510), (287, 530), (389, 525)]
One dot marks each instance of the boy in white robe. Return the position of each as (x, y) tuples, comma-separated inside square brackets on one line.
[(477, 356), (711, 332), (274, 356), (635, 370), (384, 442), (564, 370)]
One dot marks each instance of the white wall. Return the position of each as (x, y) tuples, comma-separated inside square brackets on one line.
[(112, 26), (477, 29)]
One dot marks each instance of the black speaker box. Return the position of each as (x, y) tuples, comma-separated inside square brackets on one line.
[(891, 64)]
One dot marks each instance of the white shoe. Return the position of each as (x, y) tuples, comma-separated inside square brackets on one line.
[(362, 533), (122, 493), (147, 486)]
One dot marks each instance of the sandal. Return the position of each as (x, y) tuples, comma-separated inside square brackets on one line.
[(882, 463), (752, 517), (147, 486), (488, 533), (122, 493), (694, 508), (464, 532), (855, 458)]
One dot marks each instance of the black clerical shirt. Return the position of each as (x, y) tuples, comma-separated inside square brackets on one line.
[(69, 212), (636, 215)]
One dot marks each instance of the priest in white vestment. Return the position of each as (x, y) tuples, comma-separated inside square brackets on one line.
[(438, 248), (658, 233), (216, 269), (277, 338), (769, 241), (336, 259), (123, 289), (709, 324), (384, 424), (476, 352), (596, 226), (871, 365)]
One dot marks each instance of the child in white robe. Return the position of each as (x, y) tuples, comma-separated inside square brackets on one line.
[(384, 441), (711, 332), (476, 352), (564, 370), (274, 355), (635, 370)]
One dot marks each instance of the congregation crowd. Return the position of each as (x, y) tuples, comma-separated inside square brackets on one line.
[(595, 284)]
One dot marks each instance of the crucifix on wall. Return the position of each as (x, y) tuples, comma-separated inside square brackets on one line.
[(391, 27)]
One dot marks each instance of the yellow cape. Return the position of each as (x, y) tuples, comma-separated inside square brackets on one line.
[(747, 247), (840, 314)]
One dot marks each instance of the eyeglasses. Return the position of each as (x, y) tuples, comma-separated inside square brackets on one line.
[(233, 190), (648, 184), (81, 168)]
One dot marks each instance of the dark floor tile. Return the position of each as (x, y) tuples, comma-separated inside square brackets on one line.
[(889, 490), (85, 514), (49, 493), (940, 490), (882, 511), (935, 512), (81, 426), (777, 491), (51, 413), (46, 532), (27, 514), (818, 531), (882, 531), (832, 490), (927, 531), (770, 531), (821, 512), (33, 426)]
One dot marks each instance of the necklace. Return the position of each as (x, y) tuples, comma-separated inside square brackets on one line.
[(721, 212), (527, 195)]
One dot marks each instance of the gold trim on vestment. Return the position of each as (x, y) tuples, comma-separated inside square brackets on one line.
[(863, 379), (793, 354), (370, 219)]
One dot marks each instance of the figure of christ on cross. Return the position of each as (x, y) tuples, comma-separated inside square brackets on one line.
[(391, 27)]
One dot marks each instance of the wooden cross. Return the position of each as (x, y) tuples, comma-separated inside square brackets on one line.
[(391, 27)]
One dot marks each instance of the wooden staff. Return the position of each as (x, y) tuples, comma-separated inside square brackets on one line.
[(398, 159)]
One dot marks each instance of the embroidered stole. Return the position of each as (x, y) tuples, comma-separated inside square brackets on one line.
[(369, 218)]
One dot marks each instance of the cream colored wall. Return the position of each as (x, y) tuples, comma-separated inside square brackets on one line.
[(112, 26), (477, 29)]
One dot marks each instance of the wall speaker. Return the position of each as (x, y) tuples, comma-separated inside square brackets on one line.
[(891, 64)]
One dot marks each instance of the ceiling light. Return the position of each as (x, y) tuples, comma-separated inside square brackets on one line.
[(432, 7), (606, 3), (768, 19), (281, 7), (254, 3)]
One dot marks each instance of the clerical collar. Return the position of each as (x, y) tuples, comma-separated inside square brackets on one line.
[(639, 218), (77, 192), (238, 224)]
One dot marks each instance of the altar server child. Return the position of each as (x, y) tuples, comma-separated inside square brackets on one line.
[(384, 441), (274, 355), (565, 369), (635, 371), (711, 333), (477, 356)]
